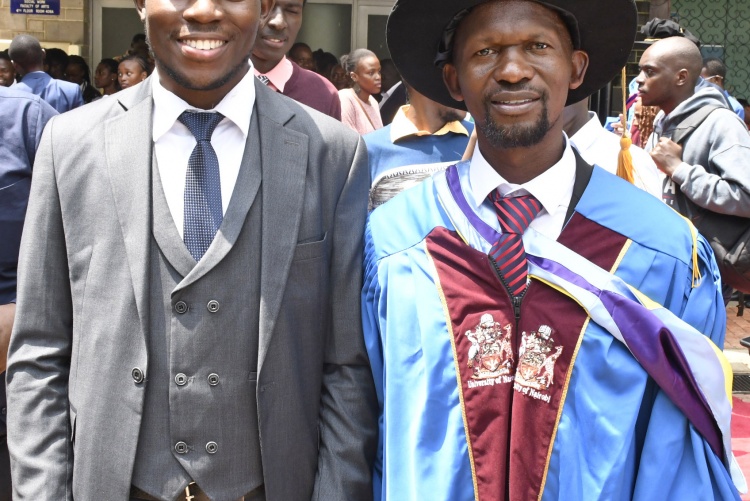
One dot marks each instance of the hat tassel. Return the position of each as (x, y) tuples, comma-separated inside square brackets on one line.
[(624, 158)]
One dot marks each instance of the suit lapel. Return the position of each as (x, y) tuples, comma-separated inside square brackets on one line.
[(127, 139), (284, 156)]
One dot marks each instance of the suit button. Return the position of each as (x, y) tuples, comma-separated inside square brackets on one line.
[(180, 379), (180, 447), (212, 447), (137, 375), (213, 379), (180, 307), (213, 306)]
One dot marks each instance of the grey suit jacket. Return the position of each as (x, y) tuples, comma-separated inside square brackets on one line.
[(74, 408)]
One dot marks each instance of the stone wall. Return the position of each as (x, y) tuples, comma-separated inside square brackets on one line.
[(70, 27)]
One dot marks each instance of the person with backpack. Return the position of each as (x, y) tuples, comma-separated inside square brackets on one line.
[(704, 149)]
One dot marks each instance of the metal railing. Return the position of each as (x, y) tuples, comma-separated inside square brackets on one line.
[(723, 27)]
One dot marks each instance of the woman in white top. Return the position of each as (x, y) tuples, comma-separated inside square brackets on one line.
[(359, 110)]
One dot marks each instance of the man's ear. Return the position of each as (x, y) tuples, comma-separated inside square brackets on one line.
[(140, 6), (681, 77), (580, 61), (450, 78)]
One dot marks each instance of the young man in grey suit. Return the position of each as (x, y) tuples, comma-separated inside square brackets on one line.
[(188, 302)]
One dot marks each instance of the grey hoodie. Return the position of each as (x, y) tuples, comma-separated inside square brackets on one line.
[(715, 173)]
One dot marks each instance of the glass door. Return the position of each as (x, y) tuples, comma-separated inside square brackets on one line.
[(371, 22), (114, 24)]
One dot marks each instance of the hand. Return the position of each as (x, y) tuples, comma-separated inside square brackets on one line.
[(667, 155), (617, 127), (7, 314)]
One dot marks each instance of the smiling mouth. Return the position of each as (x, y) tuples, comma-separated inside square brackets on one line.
[(277, 41), (516, 101), (204, 44)]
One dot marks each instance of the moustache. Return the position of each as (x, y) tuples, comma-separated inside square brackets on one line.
[(515, 87)]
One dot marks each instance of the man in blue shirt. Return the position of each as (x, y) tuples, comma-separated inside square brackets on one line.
[(28, 59), (715, 71), (423, 138), (24, 117)]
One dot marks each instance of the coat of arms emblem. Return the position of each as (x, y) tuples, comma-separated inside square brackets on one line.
[(491, 351), (536, 359)]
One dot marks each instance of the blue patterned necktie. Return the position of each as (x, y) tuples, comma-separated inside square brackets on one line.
[(203, 210), (515, 215)]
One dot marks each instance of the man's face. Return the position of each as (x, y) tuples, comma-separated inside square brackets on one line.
[(201, 47), (279, 31), (714, 79), (513, 65), (656, 80), (747, 116), (7, 73), (303, 56)]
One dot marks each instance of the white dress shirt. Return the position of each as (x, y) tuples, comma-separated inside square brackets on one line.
[(173, 141), (553, 188), (600, 147)]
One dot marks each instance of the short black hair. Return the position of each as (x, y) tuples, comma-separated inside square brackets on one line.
[(4, 55), (715, 66), (26, 51), (138, 37)]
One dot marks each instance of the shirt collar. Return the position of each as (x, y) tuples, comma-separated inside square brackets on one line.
[(549, 187), (402, 127), (389, 92), (280, 74), (237, 105), (586, 135), (34, 74)]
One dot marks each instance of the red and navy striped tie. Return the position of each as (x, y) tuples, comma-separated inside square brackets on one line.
[(514, 214)]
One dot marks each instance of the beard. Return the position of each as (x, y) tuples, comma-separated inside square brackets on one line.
[(184, 80), (448, 115), (514, 136)]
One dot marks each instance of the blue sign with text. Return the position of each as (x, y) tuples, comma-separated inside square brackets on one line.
[(36, 7)]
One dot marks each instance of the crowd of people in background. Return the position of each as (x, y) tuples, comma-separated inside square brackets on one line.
[(370, 90)]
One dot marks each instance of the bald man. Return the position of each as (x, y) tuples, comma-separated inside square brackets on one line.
[(709, 168), (27, 56)]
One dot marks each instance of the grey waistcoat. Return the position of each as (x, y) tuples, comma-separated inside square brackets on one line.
[(200, 419)]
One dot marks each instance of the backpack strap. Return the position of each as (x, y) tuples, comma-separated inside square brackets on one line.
[(688, 126)]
